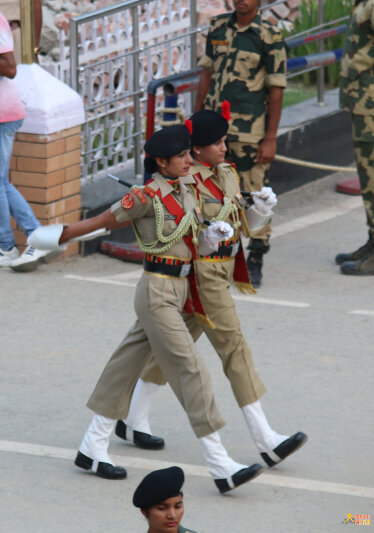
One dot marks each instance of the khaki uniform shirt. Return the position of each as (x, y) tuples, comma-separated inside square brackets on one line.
[(244, 63), (140, 211), (227, 180), (357, 66)]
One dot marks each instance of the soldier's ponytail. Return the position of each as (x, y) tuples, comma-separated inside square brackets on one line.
[(150, 165)]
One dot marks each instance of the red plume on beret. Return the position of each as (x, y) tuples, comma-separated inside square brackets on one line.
[(226, 110), (188, 124)]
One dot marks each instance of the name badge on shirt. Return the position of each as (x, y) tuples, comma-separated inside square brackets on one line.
[(169, 217), (218, 43), (212, 201)]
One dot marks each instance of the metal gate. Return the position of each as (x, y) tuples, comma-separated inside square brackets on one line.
[(114, 53)]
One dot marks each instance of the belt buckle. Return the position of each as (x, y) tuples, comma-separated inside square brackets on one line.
[(235, 249), (185, 270)]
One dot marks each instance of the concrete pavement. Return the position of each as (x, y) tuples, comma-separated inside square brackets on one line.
[(311, 333)]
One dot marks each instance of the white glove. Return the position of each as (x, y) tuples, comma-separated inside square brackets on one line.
[(264, 200), (256, 220), (46, 237), (210, 237)]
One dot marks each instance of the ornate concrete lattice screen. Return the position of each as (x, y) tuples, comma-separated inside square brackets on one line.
[(114, 53)]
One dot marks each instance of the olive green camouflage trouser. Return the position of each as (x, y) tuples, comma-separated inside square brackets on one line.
[(363, 143), (253, 177)]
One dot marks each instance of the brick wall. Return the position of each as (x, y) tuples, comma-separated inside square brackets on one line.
[(46, 170)]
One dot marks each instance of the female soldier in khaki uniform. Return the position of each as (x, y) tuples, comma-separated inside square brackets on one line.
[(169, 244), (218, 185)]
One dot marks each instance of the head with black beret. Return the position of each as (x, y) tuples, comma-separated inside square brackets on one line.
[(158, 486), (208, 127), (159, 497), (209, 130), (166, 143)]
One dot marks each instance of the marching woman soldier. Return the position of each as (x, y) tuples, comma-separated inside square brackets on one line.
[(165, 220), (219, 193)]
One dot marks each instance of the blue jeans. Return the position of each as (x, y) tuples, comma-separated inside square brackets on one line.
[(12, 203)]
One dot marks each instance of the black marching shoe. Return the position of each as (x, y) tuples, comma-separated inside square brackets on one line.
[(105, 470), (141, 440), (357, 254), (361, 267), (254, 267), (285, 448), (239, 478)]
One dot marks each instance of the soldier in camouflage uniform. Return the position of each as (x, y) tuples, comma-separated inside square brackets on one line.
[(357, 96), (245, 63)]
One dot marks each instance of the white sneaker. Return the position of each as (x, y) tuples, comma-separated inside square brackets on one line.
[(31, 258), (6, 257)]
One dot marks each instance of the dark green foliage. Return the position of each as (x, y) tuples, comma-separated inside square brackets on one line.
[(333, 9)]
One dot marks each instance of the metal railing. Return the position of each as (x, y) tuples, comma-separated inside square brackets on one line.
[(115, 52)]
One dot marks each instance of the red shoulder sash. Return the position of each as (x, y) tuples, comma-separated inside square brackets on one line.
[(211, 186)]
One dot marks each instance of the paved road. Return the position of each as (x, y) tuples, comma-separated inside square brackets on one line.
[(311, 332)]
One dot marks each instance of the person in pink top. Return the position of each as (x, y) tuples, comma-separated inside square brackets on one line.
[(12, 202)]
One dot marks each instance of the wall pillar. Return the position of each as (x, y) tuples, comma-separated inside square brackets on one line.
[(45, 165)]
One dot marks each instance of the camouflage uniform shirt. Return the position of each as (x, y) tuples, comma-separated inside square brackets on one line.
[(357, 66), (244, 63)]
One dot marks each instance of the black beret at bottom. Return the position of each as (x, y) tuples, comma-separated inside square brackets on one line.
[(158, 486)]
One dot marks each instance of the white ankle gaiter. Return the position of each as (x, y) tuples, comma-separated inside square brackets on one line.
[(264, 437)]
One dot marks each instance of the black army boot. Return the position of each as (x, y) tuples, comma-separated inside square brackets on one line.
[(357, 254), (361, 267), (254, 266)]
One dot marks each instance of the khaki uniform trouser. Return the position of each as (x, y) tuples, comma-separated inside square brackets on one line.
[(160, 330), (252, 176), (227, 339)]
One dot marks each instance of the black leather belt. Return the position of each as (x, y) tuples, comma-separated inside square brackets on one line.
[(175, 268), (225, 250)]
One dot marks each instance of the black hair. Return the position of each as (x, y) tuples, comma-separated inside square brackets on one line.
[(151, 165)]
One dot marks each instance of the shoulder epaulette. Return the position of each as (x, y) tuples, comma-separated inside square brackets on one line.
[(273, 30), (138, 191), (148, 190), (219, 17), (233, 169)]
